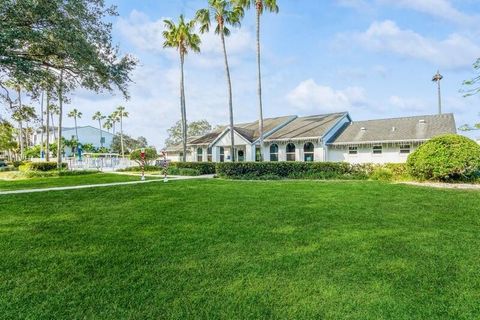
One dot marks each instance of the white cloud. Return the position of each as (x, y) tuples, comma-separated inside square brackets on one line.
[(309, 96), (438, 8), (452, 52), (146, 36)]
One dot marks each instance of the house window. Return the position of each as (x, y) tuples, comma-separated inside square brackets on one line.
[(222, 154), (290, 152), (308, 152), (405, 148), (199, 155), (209, 154), (352, 150), (258, 154), (274, 152), (377, 150)]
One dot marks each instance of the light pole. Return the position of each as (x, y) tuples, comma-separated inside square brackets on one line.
[(437, 78)]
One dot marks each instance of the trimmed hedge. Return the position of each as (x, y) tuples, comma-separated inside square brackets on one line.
[(202, 167), (291, 170), (40, 166), (139, 169), (448, 157)]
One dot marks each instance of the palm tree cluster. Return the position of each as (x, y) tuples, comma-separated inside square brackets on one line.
[(221, 15)]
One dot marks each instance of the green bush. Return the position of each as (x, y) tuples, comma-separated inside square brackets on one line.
[(382, 174), (150, 155), (8, 168), (139, 169), (40, 166), (17, 164), (202, 167), (291, 170), (188, 172), (446, 158)]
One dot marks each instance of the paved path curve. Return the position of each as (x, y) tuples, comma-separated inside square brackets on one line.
[(86, 186)]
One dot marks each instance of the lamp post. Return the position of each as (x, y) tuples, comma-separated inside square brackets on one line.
[(437, 78)]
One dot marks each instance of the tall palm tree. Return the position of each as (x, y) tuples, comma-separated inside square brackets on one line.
[(75, 114), (47, 115), (60, 119), (225, 14), (260, 6), (182, 37), (98, 116), (108, 124), (114, 119), (54, 110), (121, 113)]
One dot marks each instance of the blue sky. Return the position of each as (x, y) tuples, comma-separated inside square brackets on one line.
[(373, 58)]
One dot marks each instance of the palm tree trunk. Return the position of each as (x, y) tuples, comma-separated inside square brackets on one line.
[(260, 105), (53, 125), (76, 127), (121, 133), (47, 147), (100, 126), (230, 95), (20, 123), (183, 108), (42, 127), (60, 114)]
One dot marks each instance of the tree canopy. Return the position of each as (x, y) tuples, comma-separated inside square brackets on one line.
[(130, 143), (39, 38), (195, 128)]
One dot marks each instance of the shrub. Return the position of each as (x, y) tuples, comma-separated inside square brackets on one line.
[(150, 155), (292, 170), (8, 168), (139, 169), (56, 173), (17, 164), (202, 167), (189, 172), (40, 166), (382, 174), (446, 158)]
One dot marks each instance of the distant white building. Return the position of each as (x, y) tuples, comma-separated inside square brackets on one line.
[(329, 137)]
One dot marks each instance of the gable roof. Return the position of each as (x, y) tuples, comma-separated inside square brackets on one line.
[(247, 130), (307, 127), (418, 128)]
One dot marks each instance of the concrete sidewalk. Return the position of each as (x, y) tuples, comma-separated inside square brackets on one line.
[(87, 186)]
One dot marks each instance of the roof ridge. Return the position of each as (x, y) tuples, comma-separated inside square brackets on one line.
[(410, 117)]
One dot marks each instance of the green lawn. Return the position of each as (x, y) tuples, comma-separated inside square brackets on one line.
[(63, 181), (237, 249)]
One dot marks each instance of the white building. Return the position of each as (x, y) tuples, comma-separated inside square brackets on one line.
[(329, 137)]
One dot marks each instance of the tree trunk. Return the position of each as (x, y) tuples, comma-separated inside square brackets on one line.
[(121, 133), (183, 107), (42, 128), (260, 103), (60, 114), (100, 126), (76, 127), (20, 109), (230, 95), (47, 147), (53, 125)]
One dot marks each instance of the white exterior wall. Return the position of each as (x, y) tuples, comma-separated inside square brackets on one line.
[(390, 154), (299, 154)]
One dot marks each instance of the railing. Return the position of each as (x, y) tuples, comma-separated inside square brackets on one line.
[(103, 164)]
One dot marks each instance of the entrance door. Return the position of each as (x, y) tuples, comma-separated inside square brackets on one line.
[(241, 156)]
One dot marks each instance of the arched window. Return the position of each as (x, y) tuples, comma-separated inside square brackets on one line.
[(273, 152), (209, 154), (199, 155), (308, 152), (222, 154), (290, 152)]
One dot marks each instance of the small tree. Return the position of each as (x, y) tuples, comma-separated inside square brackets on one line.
[(99, 117), (75, 114), (150, 155)]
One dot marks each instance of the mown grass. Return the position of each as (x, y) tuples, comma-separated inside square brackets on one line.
[(62, 181), (241, 250)]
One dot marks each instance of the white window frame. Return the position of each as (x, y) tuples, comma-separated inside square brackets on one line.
[(273, 153), (405, 149), (291, 153), (353, 150), (375, 151)]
